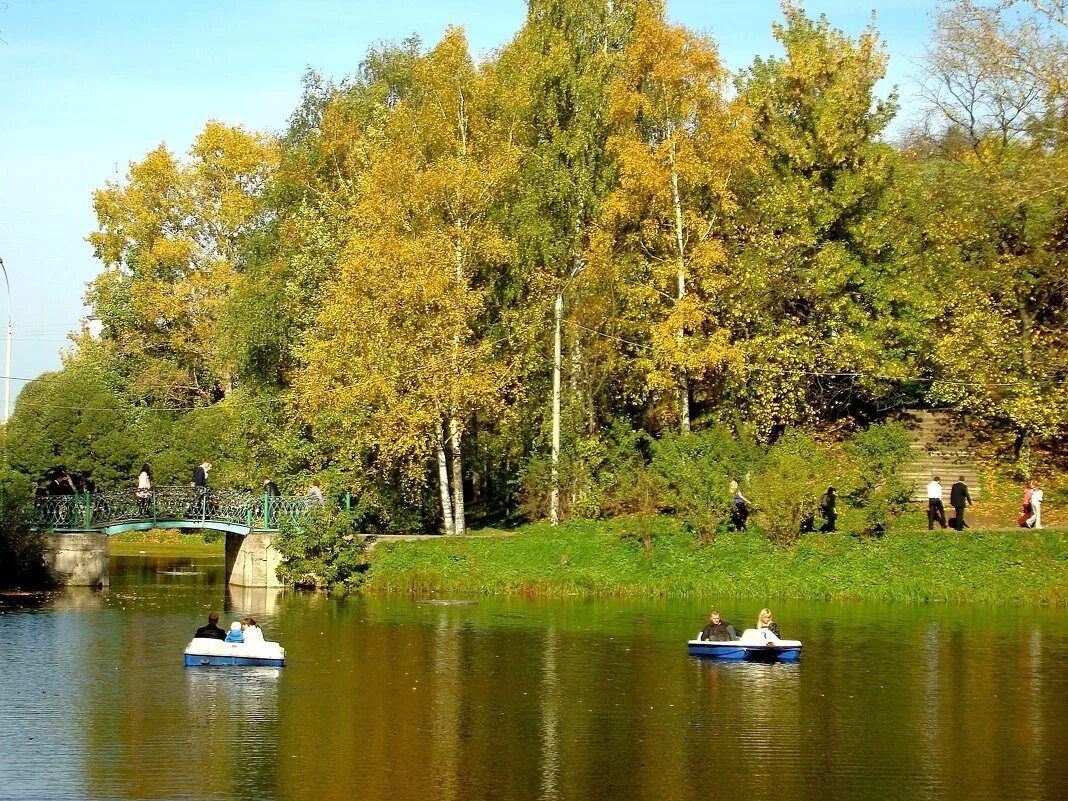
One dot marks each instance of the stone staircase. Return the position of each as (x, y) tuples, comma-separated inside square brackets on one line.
[(942, 448)]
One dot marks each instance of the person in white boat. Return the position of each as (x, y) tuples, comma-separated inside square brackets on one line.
[(766, 621), (234, 634), (717, 630), (212, 630), (251, 630)]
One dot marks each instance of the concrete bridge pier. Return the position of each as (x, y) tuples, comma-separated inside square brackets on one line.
[(78, 559), (252, 560)]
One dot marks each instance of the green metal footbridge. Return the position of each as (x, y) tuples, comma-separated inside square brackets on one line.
[(116, 511)]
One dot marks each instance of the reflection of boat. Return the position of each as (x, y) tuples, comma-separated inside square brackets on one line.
[(206, 651), (755, 645)]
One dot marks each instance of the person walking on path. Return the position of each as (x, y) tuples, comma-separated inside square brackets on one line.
[(829, 509), (959, 499), (739, 508), (1035, 520), (935, 509)]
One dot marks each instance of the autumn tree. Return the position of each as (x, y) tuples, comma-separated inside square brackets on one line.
[(820, 298), (404, 349), (565, 58), (680, 148), (170, 239), (997, 157)]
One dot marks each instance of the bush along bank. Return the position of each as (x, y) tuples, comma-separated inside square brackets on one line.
[(658, 557)]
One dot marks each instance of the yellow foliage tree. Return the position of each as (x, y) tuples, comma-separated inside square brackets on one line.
[(678, 144), (169, 238), (403, 350)]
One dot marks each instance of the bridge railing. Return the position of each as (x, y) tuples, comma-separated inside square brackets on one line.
[(171, 504)]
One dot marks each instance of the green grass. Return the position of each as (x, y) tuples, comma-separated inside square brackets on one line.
[(164, 542), (609, 558)]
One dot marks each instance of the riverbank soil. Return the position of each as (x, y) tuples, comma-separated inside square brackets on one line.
[(657, 557)]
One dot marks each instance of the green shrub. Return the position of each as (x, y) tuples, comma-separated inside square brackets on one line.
[(877, 455), (599, 475), (21, 550), (696, 470), (792, 478), (324, 551)]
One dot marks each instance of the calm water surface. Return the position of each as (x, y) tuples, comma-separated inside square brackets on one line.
[(392, 698)]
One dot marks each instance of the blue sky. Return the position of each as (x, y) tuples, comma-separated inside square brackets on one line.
[(88, 87)]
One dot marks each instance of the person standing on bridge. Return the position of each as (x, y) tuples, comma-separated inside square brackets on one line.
[(144, 490), (270, 489), (200, 481)]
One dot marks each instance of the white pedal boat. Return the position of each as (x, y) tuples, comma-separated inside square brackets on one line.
[(207, 651), (755, 645)]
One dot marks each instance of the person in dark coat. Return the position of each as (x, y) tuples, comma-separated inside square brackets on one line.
[(200, 481), (270, 489), (212, 630), (829, 509), (718, 630), (959, 499)]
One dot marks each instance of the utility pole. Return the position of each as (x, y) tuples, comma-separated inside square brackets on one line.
[(7, 349)]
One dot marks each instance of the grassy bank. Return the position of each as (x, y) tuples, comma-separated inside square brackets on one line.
[(165, 542), (633, 557)]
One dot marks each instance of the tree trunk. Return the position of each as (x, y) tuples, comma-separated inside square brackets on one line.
[(680, 241), (1021, 446), (448, 524), (460, 524), (554, 497)]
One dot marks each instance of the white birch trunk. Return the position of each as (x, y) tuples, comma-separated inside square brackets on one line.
[(448, 524), (460, 524), (680, 240), (554, 497)]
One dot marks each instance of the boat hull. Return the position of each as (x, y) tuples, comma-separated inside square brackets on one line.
[(198, 660), (736, 651), (207, 652)]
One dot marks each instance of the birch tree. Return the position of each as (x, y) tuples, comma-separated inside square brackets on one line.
[(403, 353), (679, 145)]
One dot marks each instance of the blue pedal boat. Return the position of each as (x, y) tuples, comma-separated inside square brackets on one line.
[(755, 645), (203, 651)]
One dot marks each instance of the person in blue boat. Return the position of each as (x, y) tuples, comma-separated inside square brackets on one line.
[(235, 634), (766, 621), (718, 630), (251, 630), (212, 630)]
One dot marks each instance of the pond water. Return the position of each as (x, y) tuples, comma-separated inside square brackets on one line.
[(393, 698)]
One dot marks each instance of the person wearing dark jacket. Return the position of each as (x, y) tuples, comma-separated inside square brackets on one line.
[(200, 481), (959, 499), (270, 489), (212, 630), (829, 509), (718, 630)]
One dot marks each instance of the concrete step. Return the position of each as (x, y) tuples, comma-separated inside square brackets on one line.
[(941, 447)]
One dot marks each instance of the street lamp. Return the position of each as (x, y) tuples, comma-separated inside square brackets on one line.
[(7, 358)]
